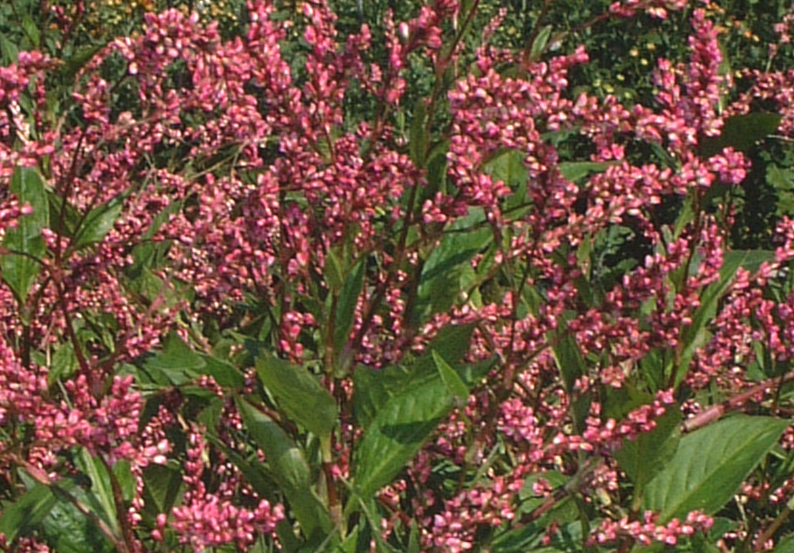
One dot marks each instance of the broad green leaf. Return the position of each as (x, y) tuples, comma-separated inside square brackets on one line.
[(786, 544), (299, 394), (20, 268), (346, 306), (641, 459), (71, 531), (31, 30), (225, 374), (577, 170), (290, 468), (162, 486), (508, 166), (452, 342), (98, 222), (9, 51), (178, 362), (741, 132), (439, 283), (710, 465), (373, 389), (27, 512), (451, 379), (254, 471), (334, 273), (397, 433), (122, 471)]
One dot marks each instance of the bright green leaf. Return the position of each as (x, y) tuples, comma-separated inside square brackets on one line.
[(710, 465), (20, 268), (299, 394), (397, 433), (290, 468)]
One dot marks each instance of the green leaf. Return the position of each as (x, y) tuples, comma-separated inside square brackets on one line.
[(294, 389), (334, 274), (741, 132), (27, 512), (162, 485), (539, 45), (576, 170), (20, 268), (440, 281), (643, 458), (397, 433), (452, 342), (786, 544), (101, 487), (225, 374), (71, 531), (31, 30), (290, 469), (9, 51), (98, 222), (508, 166), (569, 361), (710, 466), (346, 307), (178, 362), (374, 388), (452, 381)]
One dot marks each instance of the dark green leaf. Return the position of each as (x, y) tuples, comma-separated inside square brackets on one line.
[(27, 512), (451, 379), (295, 389), (162, 485), (643, 458), (20, 268), (569, 361), (98, 222), (576, 170), (9, 51), (290, 468), (508, 166), (346, 307), (741, 132), (178, 362), (710, 465)]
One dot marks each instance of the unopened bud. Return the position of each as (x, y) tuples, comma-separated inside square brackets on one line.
[(404, 32)]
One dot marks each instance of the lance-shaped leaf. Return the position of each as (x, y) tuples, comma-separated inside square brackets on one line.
[(398, 431), (290, 468), (346, 305), (21, 266), (98, 222), (710, 465), (299, 394)]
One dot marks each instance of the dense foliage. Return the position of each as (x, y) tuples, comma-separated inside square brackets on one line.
[(396, 276)]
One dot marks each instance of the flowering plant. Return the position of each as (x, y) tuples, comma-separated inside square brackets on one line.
[(403, 287)]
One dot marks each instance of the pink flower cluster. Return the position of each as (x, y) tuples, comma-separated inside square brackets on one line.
[(646, 531)]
